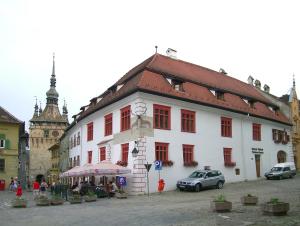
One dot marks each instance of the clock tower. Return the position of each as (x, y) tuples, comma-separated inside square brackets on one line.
[(46, 127)]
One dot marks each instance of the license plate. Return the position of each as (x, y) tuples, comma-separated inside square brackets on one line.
[(181, 186)]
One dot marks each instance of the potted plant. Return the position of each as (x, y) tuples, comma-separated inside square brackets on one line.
[(249, 199), (75, 198), (121, 194), (56, 200), (42, 200), (168, 163), (19, 202), (90, 197), (220, 204), (275, 207)]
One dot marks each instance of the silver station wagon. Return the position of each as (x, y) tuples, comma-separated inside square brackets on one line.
[(202, 179)]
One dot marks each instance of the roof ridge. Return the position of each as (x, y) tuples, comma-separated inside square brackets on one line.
[(14, 118), (199, 66)]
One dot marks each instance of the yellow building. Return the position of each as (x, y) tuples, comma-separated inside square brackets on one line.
[(54, 171), (9, 145)]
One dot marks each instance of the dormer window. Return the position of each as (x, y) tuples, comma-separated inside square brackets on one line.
[(218, 94), (177, 85), (112, 89), (274, 109), (249, 102), (120, 86)]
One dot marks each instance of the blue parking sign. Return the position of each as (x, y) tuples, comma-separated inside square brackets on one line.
[(158, 165), (121, 181)]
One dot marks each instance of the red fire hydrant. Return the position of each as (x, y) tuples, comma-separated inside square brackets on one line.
[(161, 185)]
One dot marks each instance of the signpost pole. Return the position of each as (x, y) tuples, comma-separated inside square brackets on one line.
[(148, 166), (148, 181)]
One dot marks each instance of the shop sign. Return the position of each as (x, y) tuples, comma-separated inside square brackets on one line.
[(258, 150)]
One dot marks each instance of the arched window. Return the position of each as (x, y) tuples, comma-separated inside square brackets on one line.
[(281, 156)]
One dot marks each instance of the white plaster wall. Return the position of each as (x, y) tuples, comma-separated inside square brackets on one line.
[(207, 141)]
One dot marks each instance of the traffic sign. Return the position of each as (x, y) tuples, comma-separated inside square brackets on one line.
[(148, 166), (158, 165)]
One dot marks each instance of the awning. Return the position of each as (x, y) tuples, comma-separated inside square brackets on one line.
[(103, 168)]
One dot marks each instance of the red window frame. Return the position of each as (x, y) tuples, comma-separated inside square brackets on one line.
[(102, 154), (90, 131), (161, 117), (125, 118), (256, 131), (90, 156), (125, 148), (188, 153), (226, 127), (161, 151), (108, 124), (227, 152), (188, 121)]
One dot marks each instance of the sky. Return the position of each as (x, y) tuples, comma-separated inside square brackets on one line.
[(97, 42)]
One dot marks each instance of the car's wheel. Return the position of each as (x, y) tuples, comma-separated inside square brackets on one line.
[(220, 185), (197, 187), (268, 178)]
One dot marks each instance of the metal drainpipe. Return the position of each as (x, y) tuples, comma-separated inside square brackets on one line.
[(242, 150)]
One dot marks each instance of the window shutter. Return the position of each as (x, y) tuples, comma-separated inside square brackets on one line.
[(7, 144)]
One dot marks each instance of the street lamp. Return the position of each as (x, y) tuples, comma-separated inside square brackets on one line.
[(135, 151)]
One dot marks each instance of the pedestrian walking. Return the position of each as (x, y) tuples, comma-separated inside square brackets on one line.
[(36, 189), (19, 191), (43, 187)]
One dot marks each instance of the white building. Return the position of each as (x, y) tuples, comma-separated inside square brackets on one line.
[(186, 115)]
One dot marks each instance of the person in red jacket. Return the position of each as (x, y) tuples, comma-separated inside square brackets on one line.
[(19, 190), (36, 189)]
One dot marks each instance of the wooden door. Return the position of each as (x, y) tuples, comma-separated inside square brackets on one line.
[(257, 163)]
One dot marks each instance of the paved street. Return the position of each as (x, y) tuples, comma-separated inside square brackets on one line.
[(168, 208)]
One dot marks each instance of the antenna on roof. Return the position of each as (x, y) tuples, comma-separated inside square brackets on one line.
[(156, 49)]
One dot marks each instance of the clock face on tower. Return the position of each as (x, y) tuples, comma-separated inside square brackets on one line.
[(55, 133)]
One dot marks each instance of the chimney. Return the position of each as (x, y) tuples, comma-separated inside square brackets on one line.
[(250, 80), (172, 53), (257, 84), (223, 71), (266, 88)]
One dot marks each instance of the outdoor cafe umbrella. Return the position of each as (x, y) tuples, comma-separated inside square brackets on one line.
[(103, 168), (108, 168)]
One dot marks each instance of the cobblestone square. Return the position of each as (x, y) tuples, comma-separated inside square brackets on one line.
[(168, 208)]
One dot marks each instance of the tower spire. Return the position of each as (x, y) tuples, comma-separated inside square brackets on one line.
[(36, 108), (53, 68), (294, 83), (53, 79), (40, 110), (52, 95)]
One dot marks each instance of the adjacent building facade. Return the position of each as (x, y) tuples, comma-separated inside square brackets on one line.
[(187, 116), (289, 105), (12, 148), (46, 127)]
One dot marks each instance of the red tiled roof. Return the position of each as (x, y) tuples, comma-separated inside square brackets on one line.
[(149, 76)]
